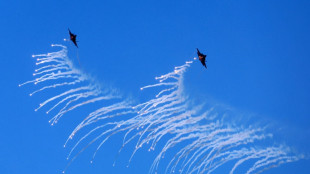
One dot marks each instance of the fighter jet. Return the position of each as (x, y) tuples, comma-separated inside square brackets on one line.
[(73, 38), (202, 58)]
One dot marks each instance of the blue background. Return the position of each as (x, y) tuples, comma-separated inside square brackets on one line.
[(258, 64)]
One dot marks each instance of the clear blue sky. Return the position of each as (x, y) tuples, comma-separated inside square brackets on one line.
[(258, 64)]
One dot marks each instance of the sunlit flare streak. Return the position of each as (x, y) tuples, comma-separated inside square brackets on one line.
[(63, 94), (65, 110), (103, 113), (57, 85)]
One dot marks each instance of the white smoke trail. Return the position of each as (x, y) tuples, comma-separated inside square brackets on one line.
[(210, 145), (55, 67), (204, 142)]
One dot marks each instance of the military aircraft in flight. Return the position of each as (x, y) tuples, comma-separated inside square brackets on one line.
[(202, 58), (73, 38)]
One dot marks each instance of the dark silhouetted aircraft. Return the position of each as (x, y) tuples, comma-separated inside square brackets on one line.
[(202, 58), (73, 38)]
